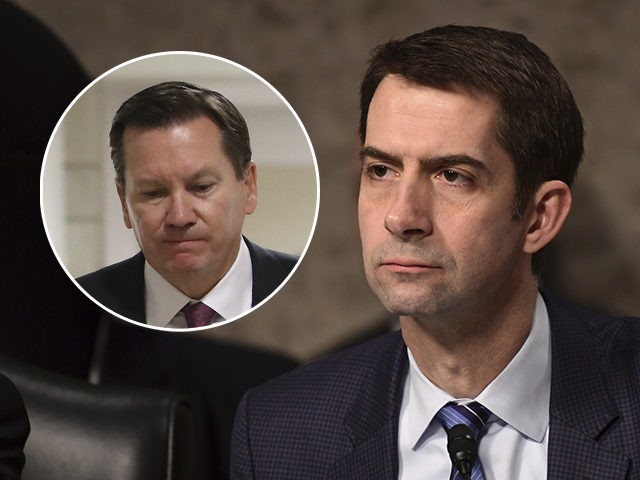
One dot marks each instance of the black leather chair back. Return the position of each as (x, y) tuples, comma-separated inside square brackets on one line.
[(98, 432)]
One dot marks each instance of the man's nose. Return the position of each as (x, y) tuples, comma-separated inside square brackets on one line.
[(409, 216), (180, 210)]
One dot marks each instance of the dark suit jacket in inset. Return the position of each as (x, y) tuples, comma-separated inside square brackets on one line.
[(338, 417), (121, 288)]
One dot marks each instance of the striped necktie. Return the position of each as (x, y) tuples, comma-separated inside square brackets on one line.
[(474, 416), (200, 315)]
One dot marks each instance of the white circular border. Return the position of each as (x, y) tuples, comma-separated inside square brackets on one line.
[(286, 103)]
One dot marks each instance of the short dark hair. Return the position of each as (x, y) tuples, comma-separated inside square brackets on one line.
[(174, 103), (539, 123)]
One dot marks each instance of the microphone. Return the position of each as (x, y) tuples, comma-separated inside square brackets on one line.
[(463, 449)]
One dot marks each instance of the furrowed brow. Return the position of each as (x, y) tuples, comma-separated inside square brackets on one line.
[(202, 172), (377, 154), (146, 182)]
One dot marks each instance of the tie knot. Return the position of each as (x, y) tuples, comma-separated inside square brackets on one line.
[(199, 315), (472, 414)]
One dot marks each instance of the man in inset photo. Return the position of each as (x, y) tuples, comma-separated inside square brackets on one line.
[(185, 180)]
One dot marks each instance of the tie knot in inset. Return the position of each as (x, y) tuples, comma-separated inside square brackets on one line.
[(199, 315)]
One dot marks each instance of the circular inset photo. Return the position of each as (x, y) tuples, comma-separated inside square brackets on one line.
[(179, 190)]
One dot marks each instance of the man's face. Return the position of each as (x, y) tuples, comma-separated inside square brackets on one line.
[(183, 201), (436, 200)]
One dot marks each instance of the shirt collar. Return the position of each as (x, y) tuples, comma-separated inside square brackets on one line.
[(230, 297), (523, 386)]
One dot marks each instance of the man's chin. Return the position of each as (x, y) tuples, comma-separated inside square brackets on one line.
[(187, 266), (403, 304), (184, 264), (409, 300)]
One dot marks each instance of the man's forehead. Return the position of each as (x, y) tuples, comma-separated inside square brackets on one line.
[(432, 125), (406, 109), (199, 133), (182, 148), (392, 87), (140, 128)]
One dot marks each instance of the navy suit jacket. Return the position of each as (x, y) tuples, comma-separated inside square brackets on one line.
[(337, 418), (121, 288)]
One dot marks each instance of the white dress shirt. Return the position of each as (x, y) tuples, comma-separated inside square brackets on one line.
[(515, 444), (230, 297)]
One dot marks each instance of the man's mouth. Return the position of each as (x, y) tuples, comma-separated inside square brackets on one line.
[(407, 265)]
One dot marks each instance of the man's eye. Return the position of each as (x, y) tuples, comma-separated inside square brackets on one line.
[(152, 193), (378, 171), (202, 187), (453, 177)]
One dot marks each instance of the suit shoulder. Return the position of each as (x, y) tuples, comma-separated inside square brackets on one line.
[(619, 338), (603, 328), (271, 258), (270, 269), (336, 375), (302, 422), (112, 274), (119, 287), (614, 338), (287, 260)]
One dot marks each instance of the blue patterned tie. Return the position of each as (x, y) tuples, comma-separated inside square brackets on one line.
[(200, 315), (474, 416)]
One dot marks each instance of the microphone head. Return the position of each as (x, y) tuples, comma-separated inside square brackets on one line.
[(463, 448)]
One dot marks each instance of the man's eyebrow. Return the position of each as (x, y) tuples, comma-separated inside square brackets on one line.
[(376, 153), (432, 163), (145, 182), (195, 176), (202, 172), (454, 160)]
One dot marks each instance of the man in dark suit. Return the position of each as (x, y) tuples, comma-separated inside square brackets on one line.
[(470, 142), (185, 179)]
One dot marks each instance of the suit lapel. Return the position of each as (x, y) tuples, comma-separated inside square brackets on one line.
[(269, 269), (262, 287), (372, 420), (375, 457), (581, 411), (574, 455), (133, 290)]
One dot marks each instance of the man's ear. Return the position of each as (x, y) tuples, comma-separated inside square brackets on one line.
[(123, 203), (251, 185), (550, 208)]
